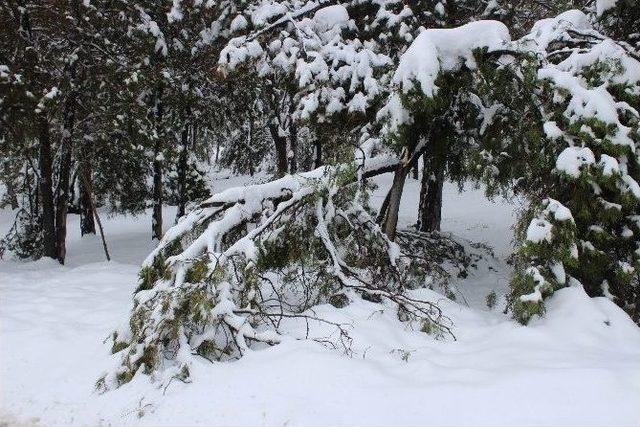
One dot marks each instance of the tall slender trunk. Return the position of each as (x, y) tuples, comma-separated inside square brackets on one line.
[(293, 148), (317, 151), (46, 189), (430, 206), (393, 205), (280, 143), (94, 211), (182, 171), (87, 222), (158, 164), (64, 174)]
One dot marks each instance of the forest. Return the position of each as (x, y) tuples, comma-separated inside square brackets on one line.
[(433, 200)]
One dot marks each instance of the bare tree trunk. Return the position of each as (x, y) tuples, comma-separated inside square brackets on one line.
[(158, 164), (317, 148), (293, 148), (280, 143), (182, 172), (94, 211), (430, 207), (393, 206), (87, 223), (64, 174), (46, 190)]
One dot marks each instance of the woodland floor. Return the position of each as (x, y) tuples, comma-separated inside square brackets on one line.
[(579, 366)]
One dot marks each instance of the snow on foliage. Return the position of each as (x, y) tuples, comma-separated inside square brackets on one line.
[(446, 50), (589, 91)]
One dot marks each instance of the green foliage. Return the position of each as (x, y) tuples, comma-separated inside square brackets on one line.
[(158, 270), (491, 299)]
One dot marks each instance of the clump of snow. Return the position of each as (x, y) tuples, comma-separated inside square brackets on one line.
[(603, 5), (573, 159), (547, 30), (609, 165), (266, 11), (238, 23), (436, 50), (331, 17), (539, 230), (552, 131), (559, 211), (536, 295)]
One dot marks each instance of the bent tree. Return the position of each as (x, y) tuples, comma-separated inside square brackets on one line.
[(250, 260)]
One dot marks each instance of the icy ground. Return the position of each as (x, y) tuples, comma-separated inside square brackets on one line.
[(579, 366)]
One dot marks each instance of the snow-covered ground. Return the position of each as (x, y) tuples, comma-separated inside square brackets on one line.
[(579, 366)]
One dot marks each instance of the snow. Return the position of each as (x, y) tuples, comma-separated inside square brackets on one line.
[(603, 5), (579, 365), (331, 17), (547, 30), (238, 23), (551, 130), (539, 230), (436, 50), (266, 11), (572, 159)]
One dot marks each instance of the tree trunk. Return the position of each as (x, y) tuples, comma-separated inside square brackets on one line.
[(87, 222), (430, 207), (158, 192), (182, 172), (414, 171), (94, 211), (46, 190), (393, 206), (280, 143), (317, 148), (64, 174), (293, 148)]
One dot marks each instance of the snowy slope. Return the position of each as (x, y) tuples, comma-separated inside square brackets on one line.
[(579, 366)]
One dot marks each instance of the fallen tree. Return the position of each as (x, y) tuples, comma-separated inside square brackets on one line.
[(223, 279)]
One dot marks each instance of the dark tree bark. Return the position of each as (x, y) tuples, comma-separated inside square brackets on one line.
[(46, 190), (158, 165), (317, 148), (280, 143), (393, 206), (94, 211), (64, 175), (182, 172), (430, 206), (87, 222), (435, 162), (293, 148)]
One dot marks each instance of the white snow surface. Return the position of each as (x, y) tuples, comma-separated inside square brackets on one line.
[(578, 366)]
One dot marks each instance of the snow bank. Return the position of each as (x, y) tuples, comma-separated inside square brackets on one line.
[(437, 50), (587, 351)]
